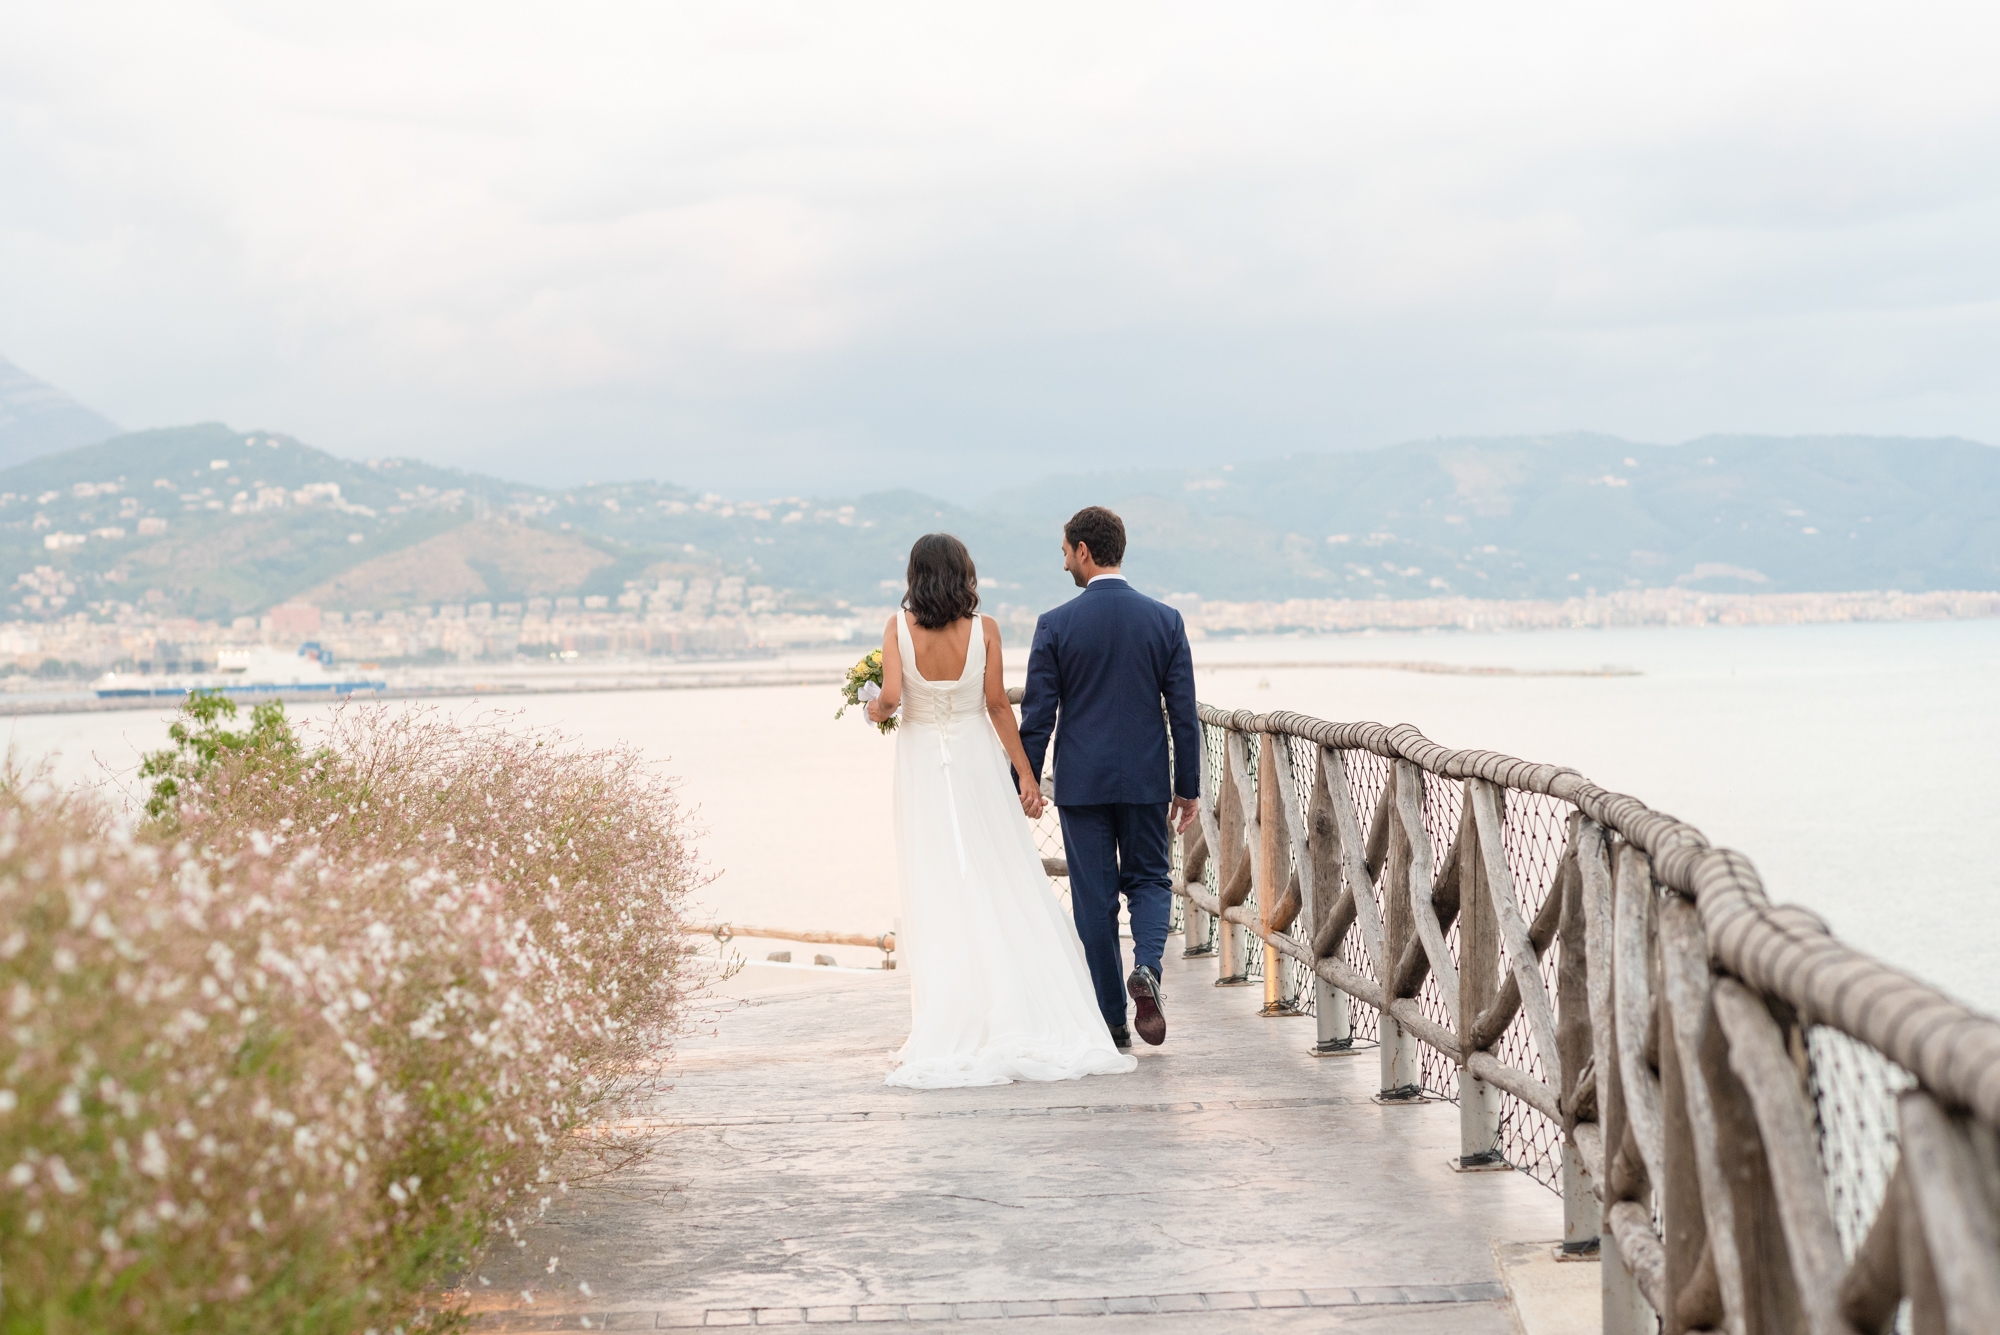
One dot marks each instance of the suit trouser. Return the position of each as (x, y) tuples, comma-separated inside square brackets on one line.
[(1113, 849)]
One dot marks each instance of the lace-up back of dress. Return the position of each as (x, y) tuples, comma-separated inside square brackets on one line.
[(942, 702)]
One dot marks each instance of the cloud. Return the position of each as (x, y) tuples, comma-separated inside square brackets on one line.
[(802, 242)]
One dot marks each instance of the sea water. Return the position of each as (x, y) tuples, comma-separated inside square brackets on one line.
[(1852, 763)]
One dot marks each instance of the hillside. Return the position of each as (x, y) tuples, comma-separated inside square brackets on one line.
[(208, 521), (37, 418), (481, 559), (213, 522)]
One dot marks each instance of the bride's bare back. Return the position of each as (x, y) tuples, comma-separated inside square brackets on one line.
[(941, 653)]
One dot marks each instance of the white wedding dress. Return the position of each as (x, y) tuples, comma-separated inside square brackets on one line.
[(999, 990)]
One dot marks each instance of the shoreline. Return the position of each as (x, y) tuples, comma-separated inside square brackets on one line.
[(825, 665), (90, 704), (82, 704)]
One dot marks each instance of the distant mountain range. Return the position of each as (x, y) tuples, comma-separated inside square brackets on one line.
[(37, 418), (1540, 517), (215, 522)]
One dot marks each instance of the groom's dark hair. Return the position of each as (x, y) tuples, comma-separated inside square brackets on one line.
[(1098, 529), (942, 587)]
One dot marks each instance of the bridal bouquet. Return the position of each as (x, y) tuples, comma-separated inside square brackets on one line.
[(863, 684)]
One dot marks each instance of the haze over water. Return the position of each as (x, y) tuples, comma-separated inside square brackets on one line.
[(1853, 763)]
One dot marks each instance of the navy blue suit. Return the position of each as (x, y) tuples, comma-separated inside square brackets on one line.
[(1107, 661)]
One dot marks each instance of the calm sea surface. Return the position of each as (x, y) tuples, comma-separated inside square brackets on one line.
[(1854, 764)]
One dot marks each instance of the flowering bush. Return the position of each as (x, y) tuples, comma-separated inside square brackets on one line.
[(288, 1071)]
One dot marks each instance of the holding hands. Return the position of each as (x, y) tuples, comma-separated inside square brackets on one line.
[(1032, 802)]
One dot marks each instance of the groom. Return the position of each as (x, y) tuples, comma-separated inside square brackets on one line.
[(1106, 661)]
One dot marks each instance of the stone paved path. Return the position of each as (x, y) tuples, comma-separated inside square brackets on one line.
[(1232, 1182)]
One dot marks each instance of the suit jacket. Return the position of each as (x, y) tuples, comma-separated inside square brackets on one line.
[(1105, 660)]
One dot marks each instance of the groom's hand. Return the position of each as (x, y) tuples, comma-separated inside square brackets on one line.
[(1031, 800), (1181, 813)]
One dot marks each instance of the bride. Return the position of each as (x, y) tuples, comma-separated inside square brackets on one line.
[(999, 990)]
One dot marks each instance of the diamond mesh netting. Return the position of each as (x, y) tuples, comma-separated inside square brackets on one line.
[(1854, 1091), (1049, 842)]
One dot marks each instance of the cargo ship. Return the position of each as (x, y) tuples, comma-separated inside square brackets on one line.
[(307, 673)]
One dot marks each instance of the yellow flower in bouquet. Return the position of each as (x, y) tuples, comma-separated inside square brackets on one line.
[(868, 672)]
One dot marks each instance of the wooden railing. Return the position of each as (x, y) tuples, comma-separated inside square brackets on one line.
[(1768, 1130), (725, 932)]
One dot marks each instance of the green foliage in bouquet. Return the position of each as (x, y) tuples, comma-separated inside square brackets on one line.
[(867, 670)]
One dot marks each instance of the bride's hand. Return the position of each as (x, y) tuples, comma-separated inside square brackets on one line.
[(1031, 799)]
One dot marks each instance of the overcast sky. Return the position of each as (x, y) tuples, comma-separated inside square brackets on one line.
[(772, 247)]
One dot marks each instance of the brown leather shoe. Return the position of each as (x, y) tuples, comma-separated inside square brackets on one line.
[(1149, 1019)]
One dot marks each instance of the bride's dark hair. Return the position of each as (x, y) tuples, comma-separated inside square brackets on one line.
[(942, 585)]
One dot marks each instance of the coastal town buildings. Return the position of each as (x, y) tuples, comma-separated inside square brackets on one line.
[(703, 618)]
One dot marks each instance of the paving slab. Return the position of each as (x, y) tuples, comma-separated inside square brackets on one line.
[(1231, 1174), (1552, 1294)]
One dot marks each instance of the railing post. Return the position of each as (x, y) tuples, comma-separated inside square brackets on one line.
[(1478, 1125), (1194, 933), (1626, 998), (1626, 1311), (1580, 1207), (1335, 1019), (1574, 1037), (1478, 983), (1228, 955), (1402, 1077), (1274, 861)]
